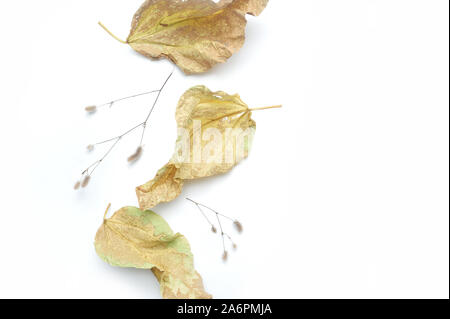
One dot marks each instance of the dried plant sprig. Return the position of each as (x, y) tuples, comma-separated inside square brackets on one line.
[(87, 172), (91, 109), (223, 234)]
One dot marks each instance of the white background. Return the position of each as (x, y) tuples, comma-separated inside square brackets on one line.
[(345, 193)]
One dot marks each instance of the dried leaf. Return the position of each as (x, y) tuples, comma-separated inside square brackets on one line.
[(163, 188), (218, 112), (194, 34), (143, 239), (200, 110)]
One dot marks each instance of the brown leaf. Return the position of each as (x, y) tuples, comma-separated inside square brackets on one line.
[(144, 240), (163, 188), (200, 110), (194, 34)]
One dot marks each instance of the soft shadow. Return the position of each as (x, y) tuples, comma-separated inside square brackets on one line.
[(142, 280)]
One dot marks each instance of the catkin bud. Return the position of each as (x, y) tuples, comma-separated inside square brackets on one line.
[(90, 147), (214, 229), (77, 185), (136, 155), (238, 226), (234, 246), (225, 256), (86, 181), (91, 109)]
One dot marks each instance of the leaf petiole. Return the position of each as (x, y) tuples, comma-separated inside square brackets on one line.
[(111, 34), (265, 108)]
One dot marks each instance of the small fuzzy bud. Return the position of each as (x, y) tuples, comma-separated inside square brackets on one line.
[(225, 256), (86, 181), (214, 229), (136, 155), (77, 185), (238, 226), (90, 147), (91, 109)]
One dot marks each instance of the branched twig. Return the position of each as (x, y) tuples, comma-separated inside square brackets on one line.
[(93, 108), (86, 173), (224, 235)]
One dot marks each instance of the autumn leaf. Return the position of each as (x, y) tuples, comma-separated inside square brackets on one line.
[(163, 188), (194, 34), (201, 111), (143, 239), (215, 131)]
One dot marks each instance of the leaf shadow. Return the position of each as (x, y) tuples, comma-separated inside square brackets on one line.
[(143, 281)]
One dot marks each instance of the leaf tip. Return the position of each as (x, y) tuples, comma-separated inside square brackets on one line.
[(106, 211)]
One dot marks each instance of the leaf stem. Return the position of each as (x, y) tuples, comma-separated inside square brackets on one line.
[(111, 34), (106, 211), (265, 108)]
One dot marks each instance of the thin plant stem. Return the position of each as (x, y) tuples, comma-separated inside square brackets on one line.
[(119, 136), (157, 97), (221, 232), (210, 209), (106, 211), (104, 156), (266, 108), (110, 103), (218, 215), (111, 34), (203, 213)]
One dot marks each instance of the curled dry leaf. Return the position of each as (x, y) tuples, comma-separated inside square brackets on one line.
[(225, 121), (163, 188), (143, 239), (194, 34)]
